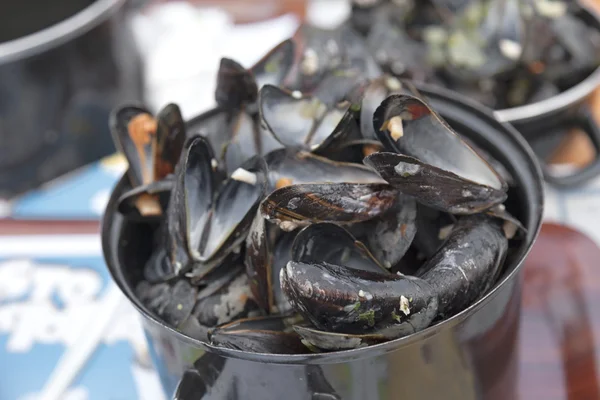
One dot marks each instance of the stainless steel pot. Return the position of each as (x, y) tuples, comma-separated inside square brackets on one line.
[(550, 118), (469, 356), (63, 67)]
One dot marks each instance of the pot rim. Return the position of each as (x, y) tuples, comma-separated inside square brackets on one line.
[(562, 100), (59, 33), (364, 352)]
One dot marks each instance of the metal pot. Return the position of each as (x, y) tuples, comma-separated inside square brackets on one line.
[(469, 356), (63, 67), (550, 118)]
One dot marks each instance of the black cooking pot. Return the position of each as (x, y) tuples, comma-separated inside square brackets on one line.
[(63, 66), (544, 123), (469, 356)]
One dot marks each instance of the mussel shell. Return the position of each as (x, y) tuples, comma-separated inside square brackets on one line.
[(268, 250), (136, 141), (233, 211), (333, 244), (272, 68), (234, 300), (391, 234), (235, 85), (271, 335), (248, 139), (290, 167), (340, 299), (215, 126), (432, 186), (305, 122), (194, 192), (170, 139), (296, 205), (426, 136), (146, 201), (172, 303), (468, 264), (259, 262), (332, 341)]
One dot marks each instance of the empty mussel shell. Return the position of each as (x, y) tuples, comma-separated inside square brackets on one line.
[(467, 265), (345, 300), (170, 139), (297, 205), (272, 334), (305, 122), (273, 67), (236, 86), (332, 341), (333, 244), (290, 167), (433, 186)]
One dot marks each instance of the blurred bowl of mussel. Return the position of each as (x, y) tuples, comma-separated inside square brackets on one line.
[(533, 61), (63, 66), (326, 231)]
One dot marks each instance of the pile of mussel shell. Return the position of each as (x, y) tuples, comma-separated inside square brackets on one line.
[(321, 205), (504, 53)]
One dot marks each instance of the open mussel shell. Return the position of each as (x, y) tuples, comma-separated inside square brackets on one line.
[(333, 244), (406, 125), (297, 205), (173, 303), (275, 65), (467, 265), (194, 192), (345, 300), (170, 139), (292, 167), (234, 208), (433, 186), (332, 341), (268, 250), (390, 235), (272, 334), (305, 122), (146, 201), (134, 133), (236, 86)]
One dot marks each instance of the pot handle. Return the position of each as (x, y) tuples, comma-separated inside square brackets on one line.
[(583, 120)]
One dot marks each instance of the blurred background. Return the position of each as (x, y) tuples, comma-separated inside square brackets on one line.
[(63, 67)]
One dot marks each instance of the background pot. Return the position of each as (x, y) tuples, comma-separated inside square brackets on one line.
[(63, 66), (545, 122), (465, 357)]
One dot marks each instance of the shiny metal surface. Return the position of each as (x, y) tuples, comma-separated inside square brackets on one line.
[(465, 357)]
